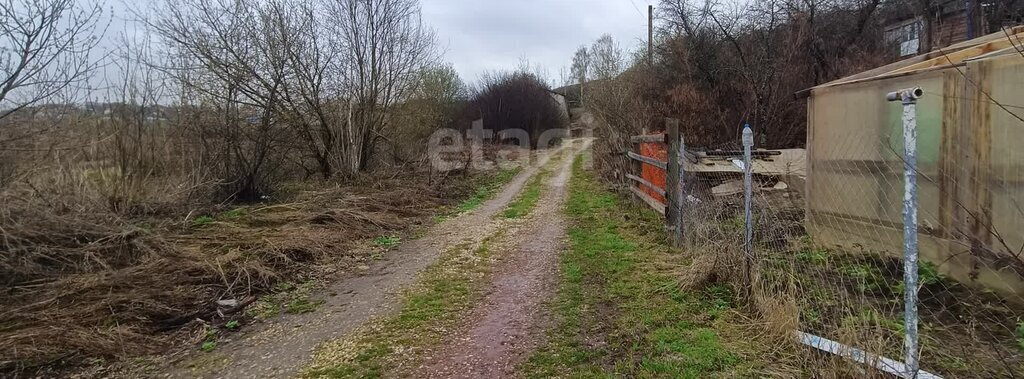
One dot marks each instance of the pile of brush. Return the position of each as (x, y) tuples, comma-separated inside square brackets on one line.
[(83, 282)]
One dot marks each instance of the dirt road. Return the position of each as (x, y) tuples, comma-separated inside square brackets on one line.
[(508, 324), (280, 348)]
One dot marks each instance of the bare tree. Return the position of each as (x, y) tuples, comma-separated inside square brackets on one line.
[(580, 64), (45, 48), (605, 58), (724, 64), (233, 58), (323, 84), (311, 93), (580, 67), (383, 44)]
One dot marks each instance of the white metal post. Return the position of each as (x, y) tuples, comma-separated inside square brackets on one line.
[(748, 194), (910, 344)]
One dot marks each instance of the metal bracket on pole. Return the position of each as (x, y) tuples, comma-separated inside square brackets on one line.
[(905, 95), (909, 98)]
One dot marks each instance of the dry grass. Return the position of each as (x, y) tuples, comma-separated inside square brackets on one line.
[(852, 296), (85, 279)]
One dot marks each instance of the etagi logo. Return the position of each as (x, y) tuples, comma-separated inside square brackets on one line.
[(447, 148)]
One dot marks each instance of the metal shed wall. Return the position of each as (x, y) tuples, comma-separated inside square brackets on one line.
[(971, 176)]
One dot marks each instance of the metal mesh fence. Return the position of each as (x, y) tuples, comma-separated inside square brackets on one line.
[(827, 255), (894, 240)]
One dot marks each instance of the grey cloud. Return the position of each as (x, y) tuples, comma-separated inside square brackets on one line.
[(487, 35)]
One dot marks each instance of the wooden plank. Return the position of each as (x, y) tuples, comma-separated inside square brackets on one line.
[(739, 153), (951, 256), (648, 138), (952, 84), (690, 157), (875, 222), (979, 200), (648, 160), (962, 213), (954, 58), (647, 184), (935, 61), (655, 204), (819, 89)]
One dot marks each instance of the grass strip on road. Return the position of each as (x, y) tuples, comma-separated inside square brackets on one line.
[(428, 310), (487, 189), (527, 199)]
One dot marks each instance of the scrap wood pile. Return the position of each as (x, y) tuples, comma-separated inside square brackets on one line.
[(719, 173)]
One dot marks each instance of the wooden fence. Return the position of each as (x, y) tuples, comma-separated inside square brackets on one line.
[(658, 177)]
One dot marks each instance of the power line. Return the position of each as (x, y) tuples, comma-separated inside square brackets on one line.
[(636, 8)]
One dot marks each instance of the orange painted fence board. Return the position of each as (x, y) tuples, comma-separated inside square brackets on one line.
[(652, 173)]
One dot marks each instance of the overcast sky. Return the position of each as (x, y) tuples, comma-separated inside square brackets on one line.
[(478, 36), (484, 35)]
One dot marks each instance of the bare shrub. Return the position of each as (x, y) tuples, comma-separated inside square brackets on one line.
[(721, 67), (232, 102), (620, 103), (233, 72), (435, 103), (516, 100)]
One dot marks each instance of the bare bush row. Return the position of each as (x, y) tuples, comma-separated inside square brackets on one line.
[(251, 91)]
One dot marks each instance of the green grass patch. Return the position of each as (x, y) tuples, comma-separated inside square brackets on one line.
[(435, 304), (233, 214), (300, 305), (527, 200), (202, 221), (618, 314), (812, 256), (1019, 333), (208, 346), (286, 298), (236, 214), (866, 277), (387, 242), (486, 190)]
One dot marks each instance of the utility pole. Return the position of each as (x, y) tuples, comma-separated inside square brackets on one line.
[(650, 35)]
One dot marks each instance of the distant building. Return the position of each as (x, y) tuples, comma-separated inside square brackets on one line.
[(573, 95), (563, 106), (911, 30)]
